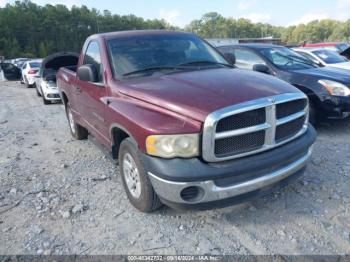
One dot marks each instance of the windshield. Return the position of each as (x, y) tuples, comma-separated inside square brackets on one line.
[(149, 54), (287, 59), (34, 64), (329, 57)]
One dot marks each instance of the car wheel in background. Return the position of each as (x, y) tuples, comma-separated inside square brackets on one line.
[(135, 180), (37, 92), (312, 114), (77, 131), (26, 83), (45, 101)]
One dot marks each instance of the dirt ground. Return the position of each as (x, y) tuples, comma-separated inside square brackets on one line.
[(61, 196)]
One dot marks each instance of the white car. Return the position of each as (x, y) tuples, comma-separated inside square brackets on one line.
[(45, 83), (30, 70), (324, 57), (46, 86)]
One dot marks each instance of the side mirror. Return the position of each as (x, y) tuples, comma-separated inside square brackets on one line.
[(231, 58), (87, 73), (261, 68)]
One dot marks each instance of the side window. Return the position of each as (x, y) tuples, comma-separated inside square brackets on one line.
[(247, 59), (93, 56)]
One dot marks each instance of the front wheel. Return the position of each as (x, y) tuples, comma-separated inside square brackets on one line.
[(135, 180), (45, 101), (77, 131), (312, 114), (37, 92)]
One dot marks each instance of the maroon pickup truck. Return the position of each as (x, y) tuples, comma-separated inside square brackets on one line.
[(188, 129)]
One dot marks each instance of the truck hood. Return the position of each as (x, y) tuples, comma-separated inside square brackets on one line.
[(331, 73), (195, 94)]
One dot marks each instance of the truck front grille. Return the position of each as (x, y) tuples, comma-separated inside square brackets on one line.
[(254, 126), (239, 144), (246, 119), (289, 129)]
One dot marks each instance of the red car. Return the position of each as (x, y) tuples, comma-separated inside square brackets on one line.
[(189, 129), (340, 47)]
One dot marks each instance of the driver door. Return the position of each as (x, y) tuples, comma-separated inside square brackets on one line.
[(90, 95)]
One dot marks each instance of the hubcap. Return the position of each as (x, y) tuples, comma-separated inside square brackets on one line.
[(131, 174), (71, 121)]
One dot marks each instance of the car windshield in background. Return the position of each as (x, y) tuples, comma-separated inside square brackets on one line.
[(140, 55), (285, 58), (35, 64), (329, 57), (342, 47)]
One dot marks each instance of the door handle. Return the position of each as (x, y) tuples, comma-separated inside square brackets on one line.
[(78, 88)]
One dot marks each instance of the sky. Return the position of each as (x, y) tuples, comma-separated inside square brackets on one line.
[(182, 12)]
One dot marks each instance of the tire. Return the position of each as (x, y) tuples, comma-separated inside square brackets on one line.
[(38, 93), (313, 119), (27, 84), (142, 196), (77, 131), (45, 101)]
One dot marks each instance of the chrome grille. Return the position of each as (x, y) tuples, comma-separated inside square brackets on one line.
[(254, 126)]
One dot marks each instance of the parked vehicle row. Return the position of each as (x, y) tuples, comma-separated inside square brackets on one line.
[(167, 103)]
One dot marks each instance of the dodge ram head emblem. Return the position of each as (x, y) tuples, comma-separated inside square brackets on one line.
[(272, 100)]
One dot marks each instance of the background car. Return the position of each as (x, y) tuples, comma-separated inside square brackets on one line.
[(20, 61), (340, 47), (10, 71), (327, 88), (324, 57), (30, 70), (45, 83)]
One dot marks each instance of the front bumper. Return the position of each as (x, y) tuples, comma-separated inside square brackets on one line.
[(31, 79), (175, 180), (337, 107), (51, 94)]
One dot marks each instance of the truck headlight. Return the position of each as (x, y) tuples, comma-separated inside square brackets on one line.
[(170, 146), (335, 88)]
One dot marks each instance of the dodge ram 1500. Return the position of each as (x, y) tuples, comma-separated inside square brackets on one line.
[(188, 129)]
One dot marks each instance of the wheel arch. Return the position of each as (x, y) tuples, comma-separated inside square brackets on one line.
[(64, 98), (312, 96), (117, 134)]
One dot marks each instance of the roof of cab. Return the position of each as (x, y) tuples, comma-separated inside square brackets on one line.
[(122, 34)]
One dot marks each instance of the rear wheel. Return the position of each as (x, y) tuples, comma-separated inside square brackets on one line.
[(27, 83), (135, 180), (77, 131)]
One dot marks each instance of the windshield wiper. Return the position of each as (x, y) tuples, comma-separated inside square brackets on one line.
[(150, 69), (294, 58), (204, 62), (302, 60)]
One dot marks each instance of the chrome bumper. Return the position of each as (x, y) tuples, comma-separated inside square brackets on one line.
[(171, 191)]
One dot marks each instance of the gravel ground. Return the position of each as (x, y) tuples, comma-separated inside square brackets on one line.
[(60, 196)]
